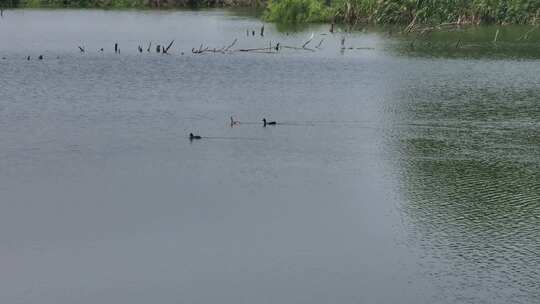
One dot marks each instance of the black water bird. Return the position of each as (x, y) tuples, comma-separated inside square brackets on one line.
[(101, 49), (253, 32), (192, 137), (262, 31), (27, 57), (140, 49), (158, 48), (40, 57), (270, 123)]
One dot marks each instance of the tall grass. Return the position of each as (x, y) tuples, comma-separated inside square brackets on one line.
[(348, 11), (405, 11)]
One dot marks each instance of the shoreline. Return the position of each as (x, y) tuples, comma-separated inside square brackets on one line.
[(306, 12)]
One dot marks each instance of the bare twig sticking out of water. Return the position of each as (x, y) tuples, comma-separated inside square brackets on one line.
[(308, 41), (232, 44), (81, 49), (149, 46), (496, 36), (320, 43), (224, 49), (166, 49)]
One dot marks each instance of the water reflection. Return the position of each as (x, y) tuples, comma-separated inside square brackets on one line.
[(469, 162), (472, 42)]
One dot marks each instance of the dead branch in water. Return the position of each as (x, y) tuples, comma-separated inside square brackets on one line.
[(496, 36), (308, 41), (232, 44), (223, 50), (320, 43), (270, 49), (166, 49)]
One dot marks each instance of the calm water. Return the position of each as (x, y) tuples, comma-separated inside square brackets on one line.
[(397, 174)]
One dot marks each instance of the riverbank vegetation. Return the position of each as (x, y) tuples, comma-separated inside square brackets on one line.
[(342, 11), (405, 11), (140, 4)]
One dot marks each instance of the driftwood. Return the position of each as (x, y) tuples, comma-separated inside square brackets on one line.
[(224, 49), (270, 49)]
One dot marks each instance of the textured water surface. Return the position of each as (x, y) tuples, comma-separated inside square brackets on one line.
[(390, 178)]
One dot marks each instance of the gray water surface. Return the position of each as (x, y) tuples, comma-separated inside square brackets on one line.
[(392, 177)]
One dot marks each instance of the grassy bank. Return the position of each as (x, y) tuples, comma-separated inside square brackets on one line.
[(344, 11), (141, 4), (405, 11)]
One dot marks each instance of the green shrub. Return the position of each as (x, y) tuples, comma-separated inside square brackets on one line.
[(297, 11)]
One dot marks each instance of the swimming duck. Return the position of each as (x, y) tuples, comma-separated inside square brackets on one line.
[(192, 137), (268, 122)]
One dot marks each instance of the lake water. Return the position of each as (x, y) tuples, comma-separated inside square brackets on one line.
[(396, 174)]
